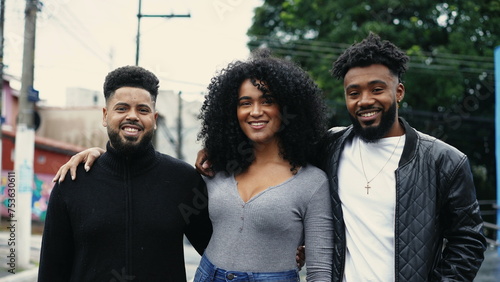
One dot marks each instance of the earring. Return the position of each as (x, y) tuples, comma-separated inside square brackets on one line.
[(398, 103)]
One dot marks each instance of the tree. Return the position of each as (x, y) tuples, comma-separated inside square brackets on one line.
[(450, 83), (450, 38)]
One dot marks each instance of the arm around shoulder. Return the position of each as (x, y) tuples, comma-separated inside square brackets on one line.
[(87, 156)]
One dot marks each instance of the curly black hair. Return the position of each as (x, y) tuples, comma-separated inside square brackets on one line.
[(301, 105), (132, 76), (372, 50)]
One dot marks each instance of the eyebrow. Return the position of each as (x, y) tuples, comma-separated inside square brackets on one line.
[(263, 96), (128, 105), (121, 104), (377, 81)]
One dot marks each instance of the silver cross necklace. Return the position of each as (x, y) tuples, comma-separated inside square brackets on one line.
[(367, 187)]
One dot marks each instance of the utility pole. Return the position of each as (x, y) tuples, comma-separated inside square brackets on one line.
[(139, 16), (2, 21), (179, 128), (497, 132), (25, 141)]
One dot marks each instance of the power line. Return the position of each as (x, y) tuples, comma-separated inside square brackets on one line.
[(84, 27), (307, 49), (328, 46), (76, 29), (83, 42), (139, 16)]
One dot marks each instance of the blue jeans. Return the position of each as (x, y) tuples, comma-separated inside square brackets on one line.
[(208, 272)]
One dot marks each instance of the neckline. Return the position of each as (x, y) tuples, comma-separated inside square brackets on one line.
[(235, 187)]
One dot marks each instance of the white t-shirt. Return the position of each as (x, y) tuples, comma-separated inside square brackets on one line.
[(369, 217)]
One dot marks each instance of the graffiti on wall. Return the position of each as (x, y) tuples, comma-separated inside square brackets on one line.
[(42, 185)]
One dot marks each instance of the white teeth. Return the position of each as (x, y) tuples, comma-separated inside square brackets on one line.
[(368, 114), (129, 129), (257, 123)]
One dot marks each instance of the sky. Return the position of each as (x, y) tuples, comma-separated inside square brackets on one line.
[(79, 41)]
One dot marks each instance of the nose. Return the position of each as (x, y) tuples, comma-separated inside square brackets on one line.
[(132, 115), (256, 110), (365, 100)]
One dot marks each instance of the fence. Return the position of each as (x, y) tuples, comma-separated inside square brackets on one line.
[(490, 208)]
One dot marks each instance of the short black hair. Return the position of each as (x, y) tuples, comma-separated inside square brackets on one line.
[(131, 76), (303, 118), (372, 50)]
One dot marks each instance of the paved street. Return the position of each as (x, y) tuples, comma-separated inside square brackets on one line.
[(490, 271)]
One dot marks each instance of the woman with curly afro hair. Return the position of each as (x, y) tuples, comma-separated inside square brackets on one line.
[(261, 121), (302, 112)]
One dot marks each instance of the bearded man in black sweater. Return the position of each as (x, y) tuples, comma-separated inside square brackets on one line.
[(125, 219)]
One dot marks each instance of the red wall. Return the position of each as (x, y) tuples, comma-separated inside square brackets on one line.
[(47, 162)]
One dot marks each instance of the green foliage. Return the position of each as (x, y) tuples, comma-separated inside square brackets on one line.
[(450, 83), (446, 41)]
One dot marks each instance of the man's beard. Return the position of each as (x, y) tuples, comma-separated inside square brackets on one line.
[(371, 134), (130, 146)]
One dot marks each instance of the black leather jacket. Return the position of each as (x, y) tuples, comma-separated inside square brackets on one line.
[(438, 232)]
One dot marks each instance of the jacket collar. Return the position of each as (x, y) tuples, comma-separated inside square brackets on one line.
[(118, 163), (411, 142)]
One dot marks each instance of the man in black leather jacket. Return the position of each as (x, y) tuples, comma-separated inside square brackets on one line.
[(404, 203)]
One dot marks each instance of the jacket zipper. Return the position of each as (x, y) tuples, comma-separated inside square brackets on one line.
[(128, 219)]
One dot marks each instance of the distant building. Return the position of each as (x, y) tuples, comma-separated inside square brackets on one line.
[(81, 126), (81, 97)]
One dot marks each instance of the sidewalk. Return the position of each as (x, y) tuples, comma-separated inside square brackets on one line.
[(489, 272), (29, 275)]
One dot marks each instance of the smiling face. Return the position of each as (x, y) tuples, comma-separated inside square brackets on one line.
[(258, 114), (371, 94), (130, 119)]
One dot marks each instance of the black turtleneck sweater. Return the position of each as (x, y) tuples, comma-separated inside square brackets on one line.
[(124, 220)]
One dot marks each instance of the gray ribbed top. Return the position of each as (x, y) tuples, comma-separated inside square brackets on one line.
[(262, 234)]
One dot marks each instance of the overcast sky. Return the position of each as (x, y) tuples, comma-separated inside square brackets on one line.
[(79, 41)]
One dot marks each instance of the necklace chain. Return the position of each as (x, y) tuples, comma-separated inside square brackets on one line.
[(363, 167)]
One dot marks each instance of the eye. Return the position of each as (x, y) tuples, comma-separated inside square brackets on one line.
[(377, 89), (268, 101), (144, 110), (121, 109), (244, 103)]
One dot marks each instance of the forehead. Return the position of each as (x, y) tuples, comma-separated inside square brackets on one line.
[(360, 75), (248, 89), (131, 95)]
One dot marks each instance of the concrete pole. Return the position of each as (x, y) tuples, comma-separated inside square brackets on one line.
[(138, 37), (2, 20), (25, 141), (497, 134), (180, 156)]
